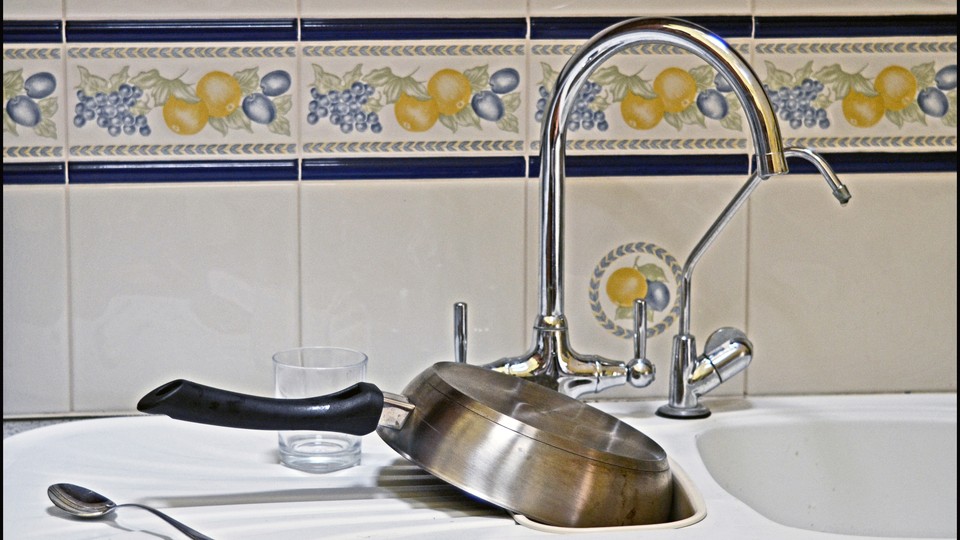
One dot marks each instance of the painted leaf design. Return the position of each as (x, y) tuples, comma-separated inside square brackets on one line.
[(249, 80), (478, 77), (12, 84), (90, 84)]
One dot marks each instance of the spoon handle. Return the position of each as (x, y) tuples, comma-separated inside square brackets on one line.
[(180, 526)]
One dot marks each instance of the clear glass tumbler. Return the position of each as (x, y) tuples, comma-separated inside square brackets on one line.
[(311, 372)]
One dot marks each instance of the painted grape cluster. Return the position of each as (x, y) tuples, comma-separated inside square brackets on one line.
[(344, 108), (795, 104), (583, 116), (112, 111)]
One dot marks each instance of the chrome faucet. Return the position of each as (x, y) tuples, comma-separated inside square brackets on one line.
[(551, 360), (728, 350)]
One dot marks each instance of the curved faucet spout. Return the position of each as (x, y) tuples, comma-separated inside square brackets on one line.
[(689, 37), (551, 357)]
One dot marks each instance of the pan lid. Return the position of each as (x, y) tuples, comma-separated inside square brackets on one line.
[(535, 411)]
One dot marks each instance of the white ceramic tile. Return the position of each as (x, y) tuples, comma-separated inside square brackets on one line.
[(384, 262), (855, 299), (859, 8), (180, 281), (417, 8), (36, 369), (34, 91), (198, 100), (646, 8), (618, 222), (180, 9), (32, 9)]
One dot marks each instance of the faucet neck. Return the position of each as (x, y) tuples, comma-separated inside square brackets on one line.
[(689, 37)]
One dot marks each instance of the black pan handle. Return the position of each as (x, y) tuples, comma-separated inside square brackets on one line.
[(355, 410)]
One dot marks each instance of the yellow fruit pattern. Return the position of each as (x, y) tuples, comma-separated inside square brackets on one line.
[(641, 113), (676, 88), (220, 92), (414, 114), (627, 284), (861, 110), (897, 86), (451, 90), (184, 117)]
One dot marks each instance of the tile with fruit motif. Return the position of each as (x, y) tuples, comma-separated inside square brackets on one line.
[(420, 98), (863, 94), (649, 98), (204, 100), (33, 101)]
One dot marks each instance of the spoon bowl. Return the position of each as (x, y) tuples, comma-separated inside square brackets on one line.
[(85, 503)]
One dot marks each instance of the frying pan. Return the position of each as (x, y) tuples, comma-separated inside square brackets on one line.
[(511, 442)]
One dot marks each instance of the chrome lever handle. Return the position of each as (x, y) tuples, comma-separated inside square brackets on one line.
[(639, 328), (460, 332)]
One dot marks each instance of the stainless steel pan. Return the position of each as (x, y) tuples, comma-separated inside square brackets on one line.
[(511, 442)]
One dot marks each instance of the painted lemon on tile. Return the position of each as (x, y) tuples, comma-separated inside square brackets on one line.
[(451, 90), (641, 113), (861, 110), (183, 117), (897, 86), (626, 285), (676, 88), (414, 114), (220, 92)]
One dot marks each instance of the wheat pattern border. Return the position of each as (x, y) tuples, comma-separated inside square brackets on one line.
[(181, 52), (28, 152), (40, 53), (182, 149), (412, 50)]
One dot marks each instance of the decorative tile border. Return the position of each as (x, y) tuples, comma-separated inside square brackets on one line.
[(458, 87)]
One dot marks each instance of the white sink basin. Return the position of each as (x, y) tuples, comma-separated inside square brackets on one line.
[(857, 468)]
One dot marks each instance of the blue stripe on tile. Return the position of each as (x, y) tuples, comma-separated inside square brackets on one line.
[(412, 168), (898, 25), (33, 173), (882, 162), (650, 165), (420, 28), (182, 30), (137, 172), (32, 32), (587, 27)]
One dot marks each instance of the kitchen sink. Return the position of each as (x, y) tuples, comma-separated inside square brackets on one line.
[(855, 468), (758, 468)]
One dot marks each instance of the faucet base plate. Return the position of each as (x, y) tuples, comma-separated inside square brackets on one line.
[(686, 413)]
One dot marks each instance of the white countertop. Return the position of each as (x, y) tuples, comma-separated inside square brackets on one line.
[(227, 483)]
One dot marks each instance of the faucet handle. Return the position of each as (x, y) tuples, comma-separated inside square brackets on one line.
[(460, 332), (639, 328)]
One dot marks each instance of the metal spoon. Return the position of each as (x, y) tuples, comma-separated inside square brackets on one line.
[(85, 503)]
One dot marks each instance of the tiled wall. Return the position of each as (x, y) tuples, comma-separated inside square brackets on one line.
[(185, 194)]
